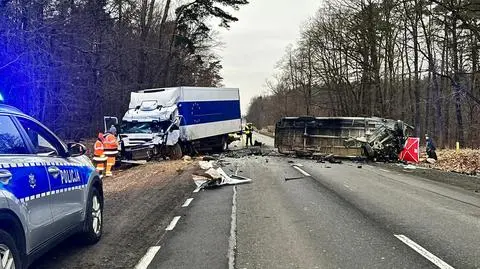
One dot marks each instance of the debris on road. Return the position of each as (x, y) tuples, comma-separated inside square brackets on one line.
[(187, 158), (209, 158), (205, 165), (214, 176), (408, 166), (293, 178), (257, 144), (250, 151)]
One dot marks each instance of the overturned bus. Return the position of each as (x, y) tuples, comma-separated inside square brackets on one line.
[(350, 137)]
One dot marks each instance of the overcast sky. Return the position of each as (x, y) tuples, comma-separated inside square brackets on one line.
[(255, 44)]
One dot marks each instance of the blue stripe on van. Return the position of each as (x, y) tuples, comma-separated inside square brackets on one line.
[(209, 111)]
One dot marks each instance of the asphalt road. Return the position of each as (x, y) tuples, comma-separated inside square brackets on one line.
[(329, 216)]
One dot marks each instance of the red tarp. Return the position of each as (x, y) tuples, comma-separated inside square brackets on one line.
[(411, 151)]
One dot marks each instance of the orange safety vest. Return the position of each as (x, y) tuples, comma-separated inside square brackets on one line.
[(98, 148), (99, 152), (111, 144)]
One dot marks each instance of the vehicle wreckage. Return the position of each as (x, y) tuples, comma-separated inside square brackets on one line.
[(372, 138)]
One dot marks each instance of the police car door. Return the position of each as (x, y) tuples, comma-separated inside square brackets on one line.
[(24, 180), (64, 174)]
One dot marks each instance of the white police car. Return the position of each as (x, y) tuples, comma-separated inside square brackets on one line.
[(48, 190)]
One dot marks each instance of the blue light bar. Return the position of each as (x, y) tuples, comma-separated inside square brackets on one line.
[(1, 98)]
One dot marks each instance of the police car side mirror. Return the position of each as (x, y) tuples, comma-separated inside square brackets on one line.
[(76, 149)]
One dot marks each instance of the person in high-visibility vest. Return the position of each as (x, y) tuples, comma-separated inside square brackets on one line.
[(249, 133), (110, 144), (99, 155)]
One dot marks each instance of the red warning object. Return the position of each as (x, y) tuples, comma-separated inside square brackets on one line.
[(411, 151)]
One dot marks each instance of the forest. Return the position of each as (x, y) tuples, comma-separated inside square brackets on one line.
[(70, 62), (413, 60)]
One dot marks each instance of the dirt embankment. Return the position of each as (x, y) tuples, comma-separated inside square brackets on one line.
[(139, 204)]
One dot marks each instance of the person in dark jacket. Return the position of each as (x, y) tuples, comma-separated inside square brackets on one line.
[(249, 133), (430, 148)]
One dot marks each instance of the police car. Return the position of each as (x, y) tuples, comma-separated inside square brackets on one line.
[(48, 190)]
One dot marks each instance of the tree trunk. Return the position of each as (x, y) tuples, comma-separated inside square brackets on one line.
[(456, 82)]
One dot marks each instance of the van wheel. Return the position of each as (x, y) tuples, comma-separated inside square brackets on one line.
[(93, 227), (175, 152), (9, 254), (222, 146)]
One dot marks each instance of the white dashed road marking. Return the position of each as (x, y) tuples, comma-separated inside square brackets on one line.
[(301, 171), (197, 189), (172, 224), (187, 202), (429, 256), (147, 259), (232, 242)]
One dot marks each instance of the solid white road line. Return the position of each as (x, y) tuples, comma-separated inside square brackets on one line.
[(187, 202), (232, 242), (434, 259), (386, 171), (301, 171), (147, 259), (172, 224), (197, 189)]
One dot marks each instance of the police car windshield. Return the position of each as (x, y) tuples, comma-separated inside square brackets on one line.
[(139, 127)]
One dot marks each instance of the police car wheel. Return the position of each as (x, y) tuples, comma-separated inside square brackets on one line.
[(94, 218), (9, 254)]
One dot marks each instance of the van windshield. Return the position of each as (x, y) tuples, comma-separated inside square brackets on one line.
[(139, 127), (144, 127)]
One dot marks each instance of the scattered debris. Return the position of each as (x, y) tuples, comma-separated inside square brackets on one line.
[(213, 176), (257, 144), (205, 165), (213, 173), (187, 159), (290, 161), (431, 160), (209, 158), (293, 178), (200, 180), (409, 167), (359, 166), (250, 151), (335, 161)]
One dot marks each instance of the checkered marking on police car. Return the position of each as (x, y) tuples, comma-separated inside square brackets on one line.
[(48, 193), (35, 164)]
